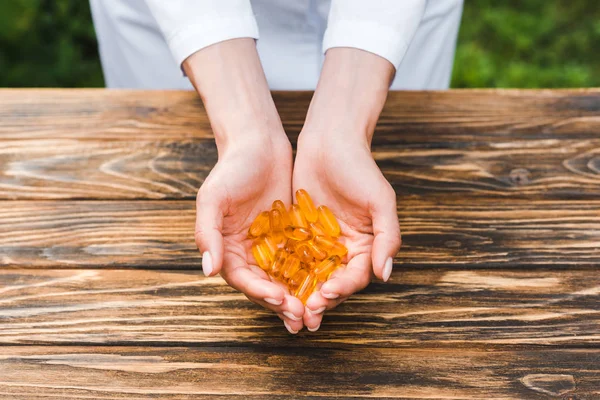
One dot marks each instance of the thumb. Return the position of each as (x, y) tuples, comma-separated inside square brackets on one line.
[(386, 230), (209, 223)]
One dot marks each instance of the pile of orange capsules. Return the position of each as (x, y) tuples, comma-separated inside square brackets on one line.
[(298, 247)]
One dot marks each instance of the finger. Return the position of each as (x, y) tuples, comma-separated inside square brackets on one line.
[(311, 320), (354, 277), (209, 223), (243, 279), (387, 235), (292, 326), (317, 305)]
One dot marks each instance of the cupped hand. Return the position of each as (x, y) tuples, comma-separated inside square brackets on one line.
[(250, 174), (339, 171)]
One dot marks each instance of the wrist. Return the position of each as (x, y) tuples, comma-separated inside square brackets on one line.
[(229, 78), (350, 95)]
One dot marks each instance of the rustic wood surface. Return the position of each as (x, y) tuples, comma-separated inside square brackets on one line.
[(495, 293)]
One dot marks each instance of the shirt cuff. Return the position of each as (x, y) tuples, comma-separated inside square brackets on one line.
[(383, 41), (191, 38)]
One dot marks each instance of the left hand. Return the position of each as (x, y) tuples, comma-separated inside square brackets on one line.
[(342, 174)]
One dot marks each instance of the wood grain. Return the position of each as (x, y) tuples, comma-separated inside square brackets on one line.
[(451, 308), (97, 144), (275, 373), (159, 234)]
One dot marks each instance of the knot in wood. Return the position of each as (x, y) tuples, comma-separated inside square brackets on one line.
[(519, 176)]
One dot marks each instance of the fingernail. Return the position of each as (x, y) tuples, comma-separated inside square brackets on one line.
[(291, 316), (207, 264), (387, 269), (317, 311), (330, 296), (289, 328), (275, 302), (314, 329)]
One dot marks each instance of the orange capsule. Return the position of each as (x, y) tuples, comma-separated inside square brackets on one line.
[(290, 246), (297, 233), (297, 279), (304, 254), (318, 253), (327, 219), (278, 263), (262, 254), (306, 205), (326, 267), (291, 266), (260, 225), (271, 244), (306, 287), (285, 217), (331, 246), (297, 217), (317, 229)]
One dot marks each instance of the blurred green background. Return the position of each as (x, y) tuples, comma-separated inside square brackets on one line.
[(509, 43)]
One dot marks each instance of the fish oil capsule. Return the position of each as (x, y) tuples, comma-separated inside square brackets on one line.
[(330, 246), (260, 225), (271, 244), (297, 279), (303, 252), (291, 266), (306, 287), (285, 216), (326, 267), (262, 254), (318, 253), (278, 263), (317, 229), (297, 233), (290, 246), (276, 224), (327, 219), (306, 205), (297, 217)]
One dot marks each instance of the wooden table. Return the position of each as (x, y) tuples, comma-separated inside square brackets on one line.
[(495, 293)]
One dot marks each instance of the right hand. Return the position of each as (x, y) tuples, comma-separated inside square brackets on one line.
[(251, 173)]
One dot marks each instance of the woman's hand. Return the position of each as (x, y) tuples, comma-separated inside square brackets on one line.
[(334, 164), (253, 170)]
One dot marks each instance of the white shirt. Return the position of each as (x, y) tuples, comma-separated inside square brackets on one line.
[(143, 42)]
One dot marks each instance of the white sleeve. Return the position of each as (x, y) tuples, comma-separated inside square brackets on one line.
[(191, 25), (382, 27)]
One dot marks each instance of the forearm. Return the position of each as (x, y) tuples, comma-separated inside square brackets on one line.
[(231, 82), (350, 94)]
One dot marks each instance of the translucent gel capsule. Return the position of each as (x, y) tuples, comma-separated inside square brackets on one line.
[(306, 205), (271, 244), (297, 217), (326, 267), (317, 229), (329, 245), (276, 224), (297, 233), (290, 246), (297, 279), (291, 266), (303, 252), (317, 252), (327, 219), (260, 226), (278, 263), (306, 287), (262, 254), (285, 216)]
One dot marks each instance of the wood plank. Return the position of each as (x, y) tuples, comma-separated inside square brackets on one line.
[(99, 144), (439, 308), (278, 373), (159, 234)]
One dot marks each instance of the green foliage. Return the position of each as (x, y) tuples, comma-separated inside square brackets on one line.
[(508, 43), (528, 44)]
